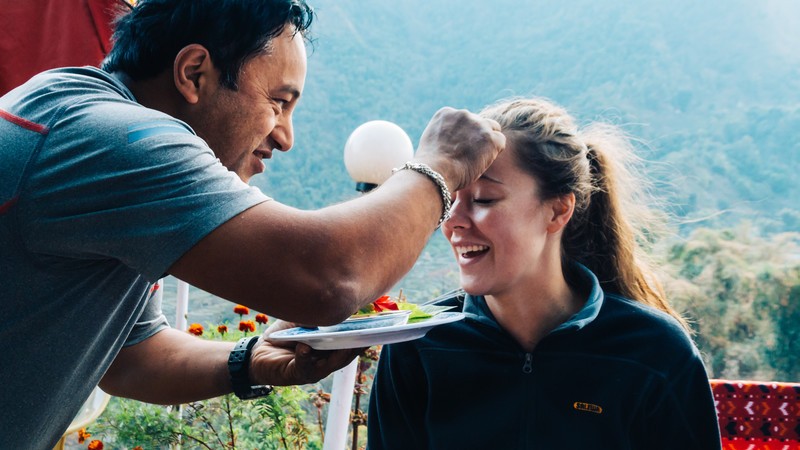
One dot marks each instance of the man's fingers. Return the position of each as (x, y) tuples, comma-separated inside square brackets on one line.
[(500, 139), (317, 364), (304, 350), (494, 124)]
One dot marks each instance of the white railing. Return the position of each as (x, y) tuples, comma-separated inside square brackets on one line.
[(344, 381)]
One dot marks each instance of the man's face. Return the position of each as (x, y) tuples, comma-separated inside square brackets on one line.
[(243, 127)]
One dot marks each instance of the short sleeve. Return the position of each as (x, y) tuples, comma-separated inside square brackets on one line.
[(145, 185), (151, 321)]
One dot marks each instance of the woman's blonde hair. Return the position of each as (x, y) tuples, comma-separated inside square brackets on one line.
[(598, 164)]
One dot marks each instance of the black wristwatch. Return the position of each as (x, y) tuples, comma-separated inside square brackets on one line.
[(238, 366)]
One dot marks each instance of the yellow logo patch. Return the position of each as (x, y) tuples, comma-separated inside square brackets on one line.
[(588, 407)]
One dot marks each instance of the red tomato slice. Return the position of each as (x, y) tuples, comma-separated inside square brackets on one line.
[(385, 303)]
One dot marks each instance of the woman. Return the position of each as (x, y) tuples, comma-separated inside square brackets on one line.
[(568, 341)]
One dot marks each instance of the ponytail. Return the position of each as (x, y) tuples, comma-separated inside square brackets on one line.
[(617, 222)]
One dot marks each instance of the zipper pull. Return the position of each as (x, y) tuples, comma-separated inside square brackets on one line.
[(528, 366)]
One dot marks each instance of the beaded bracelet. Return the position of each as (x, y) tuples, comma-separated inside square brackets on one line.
[(436, 178)]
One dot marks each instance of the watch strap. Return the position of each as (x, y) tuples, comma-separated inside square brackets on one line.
[(239, 368)]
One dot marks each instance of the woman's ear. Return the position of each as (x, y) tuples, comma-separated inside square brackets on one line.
[(562, 209), (193, 72)]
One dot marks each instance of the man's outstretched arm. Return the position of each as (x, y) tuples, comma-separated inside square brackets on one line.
[(173, 367)]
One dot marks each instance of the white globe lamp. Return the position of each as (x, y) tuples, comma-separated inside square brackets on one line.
[(373, 150)]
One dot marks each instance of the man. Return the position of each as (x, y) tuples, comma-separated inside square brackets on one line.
[(111, 178)]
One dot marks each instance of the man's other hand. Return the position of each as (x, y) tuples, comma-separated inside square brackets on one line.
[(290, 363)]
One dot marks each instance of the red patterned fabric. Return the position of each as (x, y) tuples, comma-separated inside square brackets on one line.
[(756, 415)]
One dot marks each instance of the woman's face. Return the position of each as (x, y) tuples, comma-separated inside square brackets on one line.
[(498, 229)]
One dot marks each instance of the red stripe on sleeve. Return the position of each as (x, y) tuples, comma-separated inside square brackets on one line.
[(27, 124), (7, 205)]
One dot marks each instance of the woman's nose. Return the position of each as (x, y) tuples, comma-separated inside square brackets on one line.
[(458, 217)]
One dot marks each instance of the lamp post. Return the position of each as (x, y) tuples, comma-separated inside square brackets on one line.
[(371, 152)]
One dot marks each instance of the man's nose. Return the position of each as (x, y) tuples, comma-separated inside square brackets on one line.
[(282, 135)]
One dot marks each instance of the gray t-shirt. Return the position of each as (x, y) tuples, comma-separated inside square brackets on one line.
[(99, 196)]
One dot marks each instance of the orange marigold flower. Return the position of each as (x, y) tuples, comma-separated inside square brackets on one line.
[(247, 325), (95, 445), (196, 329), (82, 435), (262, 318), (138, 447), (241, 310), (222, 329)]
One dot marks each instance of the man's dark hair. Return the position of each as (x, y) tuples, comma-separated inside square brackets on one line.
[(147, 39)]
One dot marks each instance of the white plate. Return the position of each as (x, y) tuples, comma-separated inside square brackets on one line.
[(374, 320), (335, 340)]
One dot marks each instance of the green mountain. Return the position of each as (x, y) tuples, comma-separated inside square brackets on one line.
[(711, 88)]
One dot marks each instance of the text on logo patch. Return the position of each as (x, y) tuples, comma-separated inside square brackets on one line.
[(581, 406)]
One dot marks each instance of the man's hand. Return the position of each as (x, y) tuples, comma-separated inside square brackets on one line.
[(460, 145), (290, 363)]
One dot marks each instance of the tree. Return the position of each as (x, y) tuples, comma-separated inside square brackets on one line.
[(741, 293)]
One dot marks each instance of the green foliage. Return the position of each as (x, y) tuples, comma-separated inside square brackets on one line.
[(783, 355), (127, 423), (741, 293), (287, 417), (277, 421), (274, 422)]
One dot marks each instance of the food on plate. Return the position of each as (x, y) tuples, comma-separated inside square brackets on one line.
[(400, 303), (386, 311), (382, 304)]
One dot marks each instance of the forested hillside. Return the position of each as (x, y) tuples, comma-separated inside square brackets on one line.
[(712, 88)]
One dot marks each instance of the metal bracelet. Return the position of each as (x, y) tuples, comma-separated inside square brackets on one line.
[(436, 178)]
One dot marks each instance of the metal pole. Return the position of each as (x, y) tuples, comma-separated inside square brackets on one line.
[(339, 409), (181, 316), (182, 306)]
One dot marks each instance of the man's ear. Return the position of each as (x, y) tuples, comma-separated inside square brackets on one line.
[(562, 209), (193, 72)]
